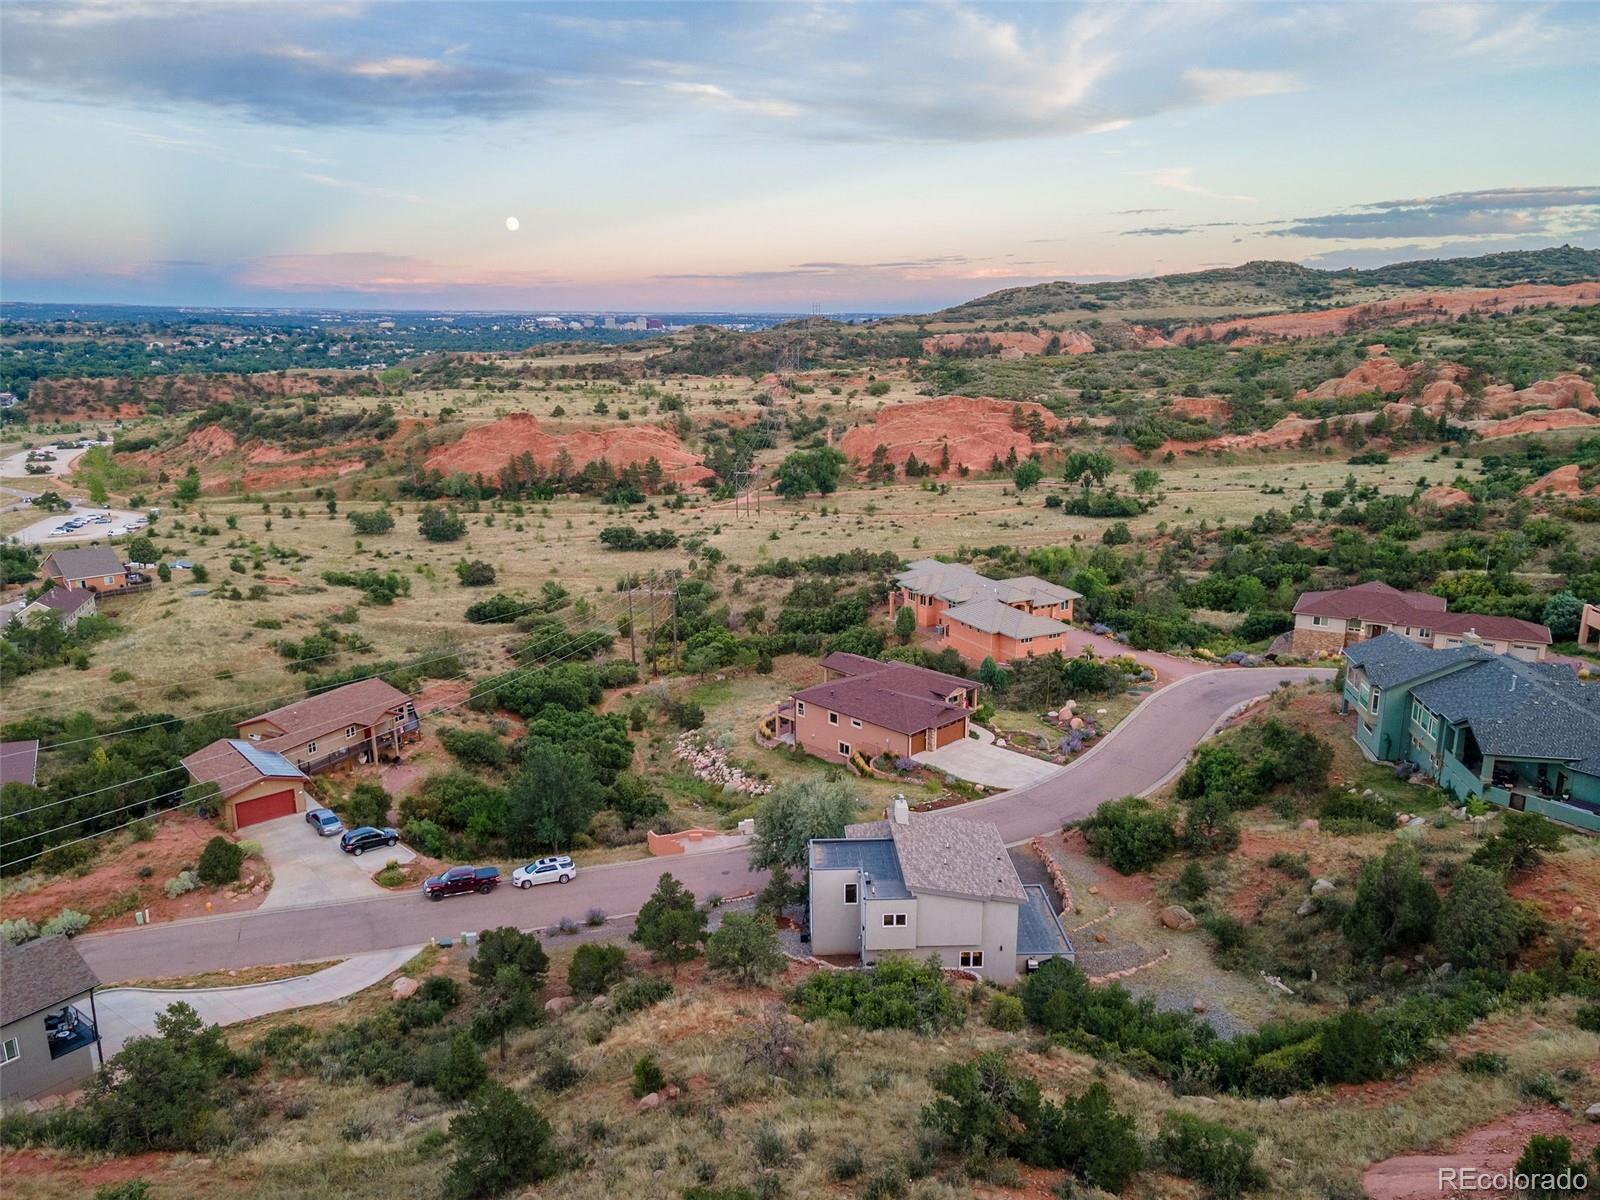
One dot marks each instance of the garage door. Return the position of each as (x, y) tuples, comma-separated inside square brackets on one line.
[(263, 808), (952, 732)]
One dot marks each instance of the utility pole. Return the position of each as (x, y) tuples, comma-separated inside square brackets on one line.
[(676, 665), (654, 667), (633, 644)]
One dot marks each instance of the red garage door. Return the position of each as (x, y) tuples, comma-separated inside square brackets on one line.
[(263, 808)]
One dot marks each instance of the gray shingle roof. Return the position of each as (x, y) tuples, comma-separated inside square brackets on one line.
[(1390, 660), (234, 764), (39, 975), (87, 563), (957, 583), (991, 616), (1519, 709), (949, 856), (19, 761)]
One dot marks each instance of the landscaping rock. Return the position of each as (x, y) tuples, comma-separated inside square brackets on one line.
[(1322, 887), (1175, 916), (557, 1005), (403, 987)]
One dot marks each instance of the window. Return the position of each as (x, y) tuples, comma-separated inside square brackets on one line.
[(849, 893), (972, 958), (311, 747), (894, 920), (844, 749), (10, 1051), (833, 718), (1319, 620), (854, 724), (349, 731), (799, 708), (1377, 695)]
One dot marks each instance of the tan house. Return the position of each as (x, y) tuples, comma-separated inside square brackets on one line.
[(929, 884), (49, 1042), (989, 629), (63, 604), (255, 784), (869, 707), (98, 568), (365, 720), (1327, 622), (931, 587)]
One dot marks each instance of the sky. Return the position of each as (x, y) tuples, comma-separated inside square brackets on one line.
[(770, 156)]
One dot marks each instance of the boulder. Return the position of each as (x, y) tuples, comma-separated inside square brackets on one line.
[(1322, 887), (1198, 1006), (1311, 825), (652, 1101), (1307, 907), (557, 1005), (600, 1003), (1175, 916), (403, 987), (1592, 1112)]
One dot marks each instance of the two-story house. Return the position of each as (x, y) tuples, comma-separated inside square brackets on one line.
[(868, 707), (365, 720), (979, 617), (1326, 622), (1523, 735), (253, 784), (48, 1037), (929, 884)]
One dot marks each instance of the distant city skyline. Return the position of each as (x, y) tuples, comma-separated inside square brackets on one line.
[(770, 157)]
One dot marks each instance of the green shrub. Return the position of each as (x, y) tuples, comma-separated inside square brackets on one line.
[(898, 993), (1210, 1153), (500, 1144), (595, 968), (1352, 1048), (639, 994), (183, 881), (850, 1161), (1394, 908), (647, 1076), (1484, 1062), (745, 946), (559, 1074), (68, 921), (1286, 1069), (1131, 834), (18, 930), (220, 861), (1005, 1012), (460, 1071)]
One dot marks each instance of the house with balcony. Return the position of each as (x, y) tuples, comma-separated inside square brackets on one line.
[(49, 1043), (929, 884), (253, 784), (1327, 622), (868, 707), (364, 721), (1523, 735)]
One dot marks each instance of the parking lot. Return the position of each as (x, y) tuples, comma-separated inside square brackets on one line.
[(310, 869), (51, 531)]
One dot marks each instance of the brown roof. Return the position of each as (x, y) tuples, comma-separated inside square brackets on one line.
[(896, 696), (1379, 602), (88, 563), (66, 600), (39, 975), (353, 704), (859, 664), (19, 761), (234, 764)]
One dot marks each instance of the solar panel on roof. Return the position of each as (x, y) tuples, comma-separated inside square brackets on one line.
[(268, 762)]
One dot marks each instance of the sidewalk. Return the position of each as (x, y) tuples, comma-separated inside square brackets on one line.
[(126, 1013)]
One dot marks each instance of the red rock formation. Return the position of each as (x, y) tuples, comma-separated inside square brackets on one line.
[(487, 448), (1443, 497), (1010, 345), (976, 429), (1564, 391), (1200, 408), (1535, 422), (1377, 374), (1563, 481)]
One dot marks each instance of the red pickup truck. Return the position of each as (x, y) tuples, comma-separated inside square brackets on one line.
[(458, 881)]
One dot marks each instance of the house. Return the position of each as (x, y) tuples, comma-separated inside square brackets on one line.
[(932, 587), (869, 707), (98, 568), (365, 720), (1589, 627), (929, 884), (1523, 735), (63, 604), (48, 1037), (1326, 622), (19, 762), (255, 784), (989, 629)]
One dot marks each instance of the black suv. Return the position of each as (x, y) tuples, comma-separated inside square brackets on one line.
[(359, 841)]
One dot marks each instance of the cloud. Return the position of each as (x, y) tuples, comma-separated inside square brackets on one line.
[(1212, 86), (1180, 179), (1549, 211)]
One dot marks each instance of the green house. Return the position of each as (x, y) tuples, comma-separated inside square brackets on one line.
[(1523, 735)]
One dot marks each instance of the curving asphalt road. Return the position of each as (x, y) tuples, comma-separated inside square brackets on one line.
[(1140, 754)]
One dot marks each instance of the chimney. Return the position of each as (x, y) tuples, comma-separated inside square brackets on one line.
[(900, 813), (1471, 638)]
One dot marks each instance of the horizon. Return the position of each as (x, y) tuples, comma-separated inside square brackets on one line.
[(749, 158)]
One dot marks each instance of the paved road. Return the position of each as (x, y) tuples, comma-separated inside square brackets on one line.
[(1148, 747)]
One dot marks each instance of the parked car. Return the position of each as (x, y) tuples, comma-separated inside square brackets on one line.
[(557, 868), (458, 881), (359, 841), (325, 821)]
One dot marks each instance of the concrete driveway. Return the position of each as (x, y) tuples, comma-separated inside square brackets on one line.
[(126, 1013), (310, 869), (988, 764)]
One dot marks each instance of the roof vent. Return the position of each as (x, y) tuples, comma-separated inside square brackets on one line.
[(901, 811)]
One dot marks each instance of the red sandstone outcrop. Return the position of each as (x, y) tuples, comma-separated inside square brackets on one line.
[(1563, 481), (487, 448), (1564, 391), (975, 429), (1443, 497), (1377, 374)]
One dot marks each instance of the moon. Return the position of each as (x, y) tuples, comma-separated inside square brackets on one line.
[(513, 224)]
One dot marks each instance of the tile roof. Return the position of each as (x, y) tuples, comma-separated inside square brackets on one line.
[(41, 974), (895, 696), (1039, 931), (234, 764), (957, 583), (949, 856), (87, 563), (19, 762), (1376, 601), (991, 616), (359, 703)]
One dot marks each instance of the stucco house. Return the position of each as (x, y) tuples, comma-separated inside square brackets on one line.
[(98, 568), (63, 604), (929, 884), (931, 587), (1327, 622), (1523, 735), (364, 720), (869, 707), (255, 784), (49, 1042)]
